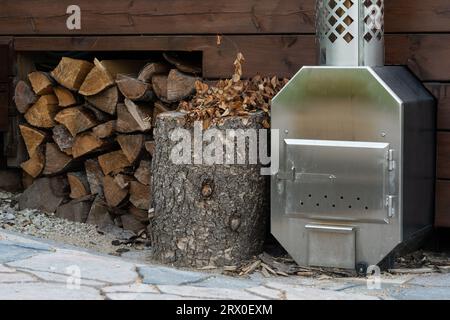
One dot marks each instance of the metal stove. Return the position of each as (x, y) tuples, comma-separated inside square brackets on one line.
[(356, 147)]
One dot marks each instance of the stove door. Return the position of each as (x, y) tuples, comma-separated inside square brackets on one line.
[(337, 180)]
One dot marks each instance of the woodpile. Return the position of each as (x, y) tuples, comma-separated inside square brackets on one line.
[(87, 128)]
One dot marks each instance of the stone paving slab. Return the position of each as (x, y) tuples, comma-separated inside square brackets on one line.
[(4, 269), (169, 276), (145, 296), (208, 293), (15, 277), (434, 280), (46, 291), (63, 278), (131, 288), (420, 293), (10, 251)]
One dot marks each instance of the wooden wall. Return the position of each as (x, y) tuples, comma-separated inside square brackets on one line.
[(276, 37)]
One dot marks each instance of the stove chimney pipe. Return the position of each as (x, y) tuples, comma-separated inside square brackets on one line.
[(350, 32)]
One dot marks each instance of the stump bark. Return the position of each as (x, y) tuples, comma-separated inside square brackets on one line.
[(206, 214)]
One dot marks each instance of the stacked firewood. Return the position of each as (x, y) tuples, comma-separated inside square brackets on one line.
[(90, 122)]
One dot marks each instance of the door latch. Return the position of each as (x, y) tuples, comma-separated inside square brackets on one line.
[(391, 161), (390, 205)]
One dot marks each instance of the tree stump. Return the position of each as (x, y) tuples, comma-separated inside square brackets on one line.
[(206, 214)]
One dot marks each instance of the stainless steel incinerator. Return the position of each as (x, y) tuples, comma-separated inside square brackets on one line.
[(356, 147)]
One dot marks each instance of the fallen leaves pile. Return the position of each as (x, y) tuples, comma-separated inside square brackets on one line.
[(232, 97)]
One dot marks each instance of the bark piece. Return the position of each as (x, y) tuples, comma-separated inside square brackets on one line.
[(55, 160), (76, 211), (140, 195), (94, 176), (99, 214), (76, 120), (113, 161), (71, 73), (96, 81), (159, 85), (43, 112), (129, 222), (134, 89), (32, 137), (35, 164), (104, 130), (45, 194), (114, 194), (85, 143), (24, 96), (143, 173), (62, 138), (106, 100), (131, 145), (183, 63), (150, 147), (41, 83), (65, 97), (179, 85), (79, 186), (152, 69)]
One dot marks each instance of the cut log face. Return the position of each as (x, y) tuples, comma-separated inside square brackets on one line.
[(96, 81), (114, 194), (127, 67), (27, 180), (34, 166), (131, 145), (43, 112), (77, 211), (134, 89), (24, 96), (32, 137), (71, 73), (182, 63), (62, 138), (45, 194), (55, 160), (85, 143), (99, 115), (106, 100), (150, 147), (129, 222), (152, 69), (140, 195), (159, 108), (41, 83), (159, 85), (65, 97), (143, 172), (139, 214), (113, 161), (94, 176), (79, 186), (99, 214), (104, 130), (141, 113), (179, 85), (76, 120)]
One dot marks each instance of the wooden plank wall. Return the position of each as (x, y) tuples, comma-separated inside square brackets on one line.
[(276, 37)]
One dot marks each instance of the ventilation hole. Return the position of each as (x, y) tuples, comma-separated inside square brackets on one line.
[(317, 204), (340, 12), (379, 36), (348, 4), (332, 4), (348, 37), (367, 20), (340, 28), (348, 20), (332, 37), (334, 206), (342, 197), (368, 37), (358, 198), (367, 208), (325, 196), (332, 21), (310, 195), (379, 3), (349, 207), (301, 203), (368, 3)]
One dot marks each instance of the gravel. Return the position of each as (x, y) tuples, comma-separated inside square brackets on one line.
[(48, 226)]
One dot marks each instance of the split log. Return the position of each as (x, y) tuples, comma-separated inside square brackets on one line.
[(113, 161), (127, 67), (150, 147), (142, 173), (63, 138), (65, 97), (104, 130), (139, 214), (94, 176), (99, 115), (129, 222), (34, 166), (41, 83), (134, 89), (159, 85), (152, 69), (114, 194), (32, 137), (99, 214), (55, 160), (74, 210), (123, 180), (131, 145), (225, 228), (71, 73), (45, 194), (24, 96), (79, 186), (132, 117), (179, 85), (158, 108), (106, 100), (27, 180), (183, 62), (96, 81), (76, 120), (85, 143), (43, 112), (140, 195)]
